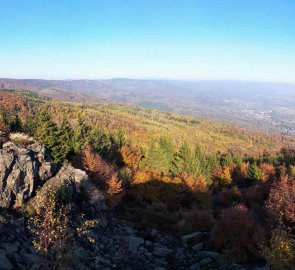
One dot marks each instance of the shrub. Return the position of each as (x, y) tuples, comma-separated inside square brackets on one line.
[(230, 195), (237, 233), (83, 229), (280, 254), (195, 192), (200, 220), (52, 226), (125, 174), (21, 138), (254, 196), (49, 225)]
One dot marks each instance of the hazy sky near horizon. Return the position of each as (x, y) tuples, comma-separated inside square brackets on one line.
[(164, 39)]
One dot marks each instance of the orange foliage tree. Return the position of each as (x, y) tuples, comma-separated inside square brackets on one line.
[(241, 173), (131, 157), (281, 202), (114, 185), (222, 176), (194, 184), (268, 171), (96, 166)]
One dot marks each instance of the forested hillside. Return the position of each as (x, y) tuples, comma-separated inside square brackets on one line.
[(165, 172), (143, 126), (262, 106)]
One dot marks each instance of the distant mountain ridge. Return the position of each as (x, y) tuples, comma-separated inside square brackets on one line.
[(261, 105)]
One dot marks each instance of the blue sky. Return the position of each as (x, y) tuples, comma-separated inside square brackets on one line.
[(171, 39)]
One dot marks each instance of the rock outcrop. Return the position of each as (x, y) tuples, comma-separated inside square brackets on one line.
[(22, 171), (117, 246)]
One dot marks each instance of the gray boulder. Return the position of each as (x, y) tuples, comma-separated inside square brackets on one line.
[(161, 251), (22, 171), (5, 264), (209, 254), (10, 247), (134, 243), (198, 247), (191, 238)]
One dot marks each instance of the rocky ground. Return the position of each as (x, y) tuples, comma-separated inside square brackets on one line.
[(118, 245)]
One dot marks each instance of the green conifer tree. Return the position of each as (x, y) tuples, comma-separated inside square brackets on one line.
[(166, 146), (65, 134), (155, 158), (16, 124), (51, 136), (184, 161), (81, 133), (254, 172), (118, 138), (100, 141), (30, 126)]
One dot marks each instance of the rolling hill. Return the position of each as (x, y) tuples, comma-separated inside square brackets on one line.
[(264, 106), (144, 125)]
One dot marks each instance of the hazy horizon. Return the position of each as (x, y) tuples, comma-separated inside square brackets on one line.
[(163, 40), (152, 79)]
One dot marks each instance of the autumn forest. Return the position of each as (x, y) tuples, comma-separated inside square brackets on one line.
[(176, 174)]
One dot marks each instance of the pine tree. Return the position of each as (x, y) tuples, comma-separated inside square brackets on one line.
[(100, 141), (184, 161), (159, 155), (167, 148), (210, 163), (81, 134), (5, 116), (225, 160), (254, 173), (118, 138), (155, 158), (16, 124), (51, 136), (30, 126), (201, 160), (65, 134)]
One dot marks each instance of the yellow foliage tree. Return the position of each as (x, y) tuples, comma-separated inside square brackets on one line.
[(131, 157), (280, 254), (226, 176)]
